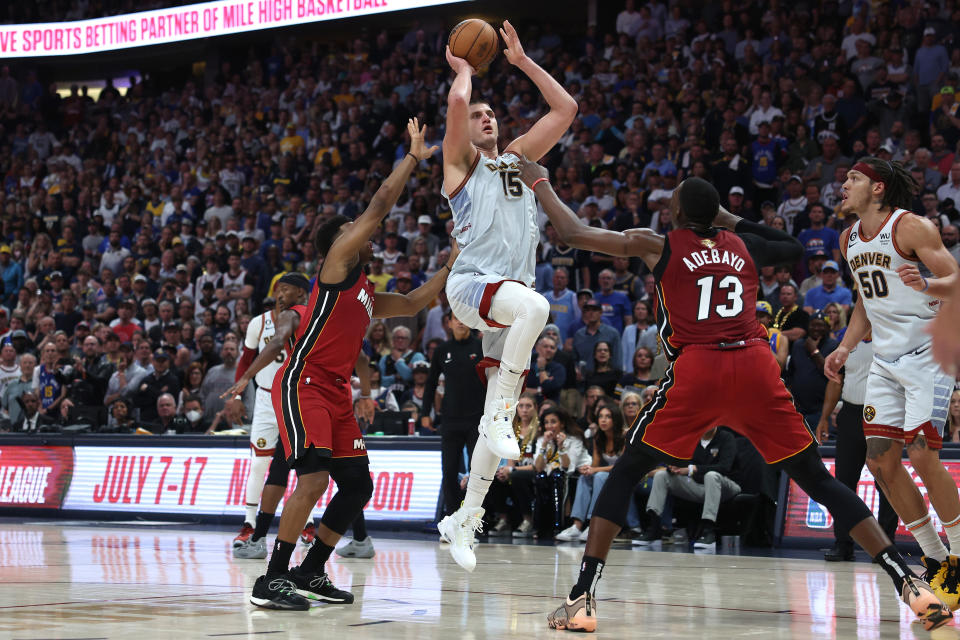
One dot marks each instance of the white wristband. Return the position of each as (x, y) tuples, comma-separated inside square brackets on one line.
[(689, 469)]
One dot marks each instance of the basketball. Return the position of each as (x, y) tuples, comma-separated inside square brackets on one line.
[(475, 41)]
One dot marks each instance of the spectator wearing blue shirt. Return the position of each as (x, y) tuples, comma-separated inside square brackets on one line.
[(616, 304), (818, 237), (930, 66), (594, 331), (659, 162), (12, 274), (830, 291), (563, 304)]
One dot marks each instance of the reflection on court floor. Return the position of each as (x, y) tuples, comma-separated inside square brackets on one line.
[(112, 582)]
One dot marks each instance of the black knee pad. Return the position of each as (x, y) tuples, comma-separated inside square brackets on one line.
[(614, 499), (354, 490), (807, 470), (279, 471)]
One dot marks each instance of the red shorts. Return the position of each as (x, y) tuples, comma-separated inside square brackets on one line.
[(738, 388), (317, 412)]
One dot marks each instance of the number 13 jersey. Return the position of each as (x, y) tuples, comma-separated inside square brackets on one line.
[(899, 314), (495, 221), (706, 291)]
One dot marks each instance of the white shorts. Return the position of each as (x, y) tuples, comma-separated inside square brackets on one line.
[(264, 430), (907, 397), (470, 296)]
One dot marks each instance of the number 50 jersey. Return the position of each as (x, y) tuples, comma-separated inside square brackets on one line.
[(495, 221), (706, 290), (899, 314)]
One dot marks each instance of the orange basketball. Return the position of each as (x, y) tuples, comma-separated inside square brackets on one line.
[(475, 41)]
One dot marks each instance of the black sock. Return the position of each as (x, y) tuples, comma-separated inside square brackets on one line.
[(590, 570), (280, 558), (317, 557), (264, 520), (893, 563), (706, 525), (360, 528)]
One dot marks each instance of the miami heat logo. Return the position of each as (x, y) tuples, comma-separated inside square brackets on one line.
[(869, 413), (709, 244)]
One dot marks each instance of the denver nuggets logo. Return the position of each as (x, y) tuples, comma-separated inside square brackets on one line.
[(261, 443), (709, 244), (869, 413)]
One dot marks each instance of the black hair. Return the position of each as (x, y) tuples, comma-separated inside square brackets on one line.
[(326, 233), (619, 439), (569, 425), (699, 201), (901, 187)]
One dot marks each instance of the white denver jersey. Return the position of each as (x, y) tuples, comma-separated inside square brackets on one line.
[(899, 314), (495, 221), (259, 332)]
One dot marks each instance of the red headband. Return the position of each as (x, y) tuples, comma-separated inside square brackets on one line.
[(868, 171)]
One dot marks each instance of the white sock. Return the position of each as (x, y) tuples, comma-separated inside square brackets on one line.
[(926, 536), (508, 377), (258, 473), (483, 469), (953, 534)]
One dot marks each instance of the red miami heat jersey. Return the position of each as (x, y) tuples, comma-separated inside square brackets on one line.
[(332, 328), (706, 291)]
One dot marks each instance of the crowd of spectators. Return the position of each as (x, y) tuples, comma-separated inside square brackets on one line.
[(141, 231)]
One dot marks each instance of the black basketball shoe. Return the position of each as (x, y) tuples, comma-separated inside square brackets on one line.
[(317, 586), (277, 592)]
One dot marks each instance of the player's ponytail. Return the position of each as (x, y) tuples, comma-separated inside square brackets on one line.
[(899, 186)]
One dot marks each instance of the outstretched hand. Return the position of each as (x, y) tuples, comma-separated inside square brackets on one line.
[(459, 65), (418, 147), (834, 362), (514, 50), (530, 171), (237, 388)]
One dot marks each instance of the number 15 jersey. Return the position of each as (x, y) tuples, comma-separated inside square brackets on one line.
[(706, 290), (495, 221), (899, 314)]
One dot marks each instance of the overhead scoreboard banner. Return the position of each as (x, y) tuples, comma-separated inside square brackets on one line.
[(808, 519), (188, 22)]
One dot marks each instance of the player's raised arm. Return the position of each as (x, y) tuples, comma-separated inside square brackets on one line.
[(392, 305), (918, 235), (545, 133), (767, 246), (945, 330), (286, 327), (356, 234), (642, 243), (458, 149)]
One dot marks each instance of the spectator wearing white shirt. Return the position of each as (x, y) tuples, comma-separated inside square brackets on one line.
[(629, 20), (857, 33), (764, 112), (951, 188)]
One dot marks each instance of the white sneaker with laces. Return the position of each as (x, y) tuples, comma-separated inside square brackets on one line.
[(525, 530), (570, 534), (583, 534), (497, 431), (459, 529)]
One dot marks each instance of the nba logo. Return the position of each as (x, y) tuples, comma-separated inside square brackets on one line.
[(817, 516)]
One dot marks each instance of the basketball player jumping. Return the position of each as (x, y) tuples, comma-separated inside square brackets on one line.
[(721, 372), (490, 289), (291, 292), (312, 397), (907, 393)]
